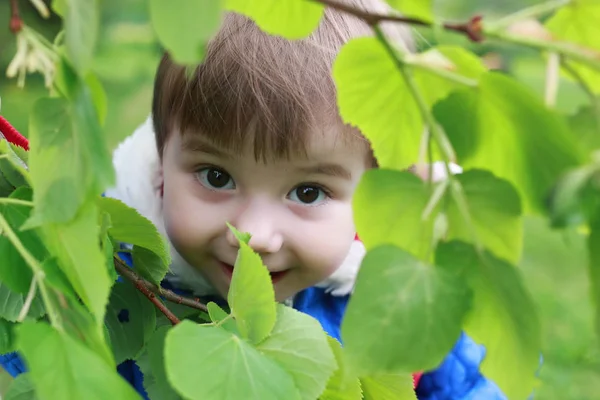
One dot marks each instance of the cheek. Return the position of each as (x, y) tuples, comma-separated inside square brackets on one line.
[(325, 243)]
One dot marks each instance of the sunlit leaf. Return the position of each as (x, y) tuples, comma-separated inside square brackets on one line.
[(504, 128), (251, 295), (495, 210), (237, 370), (388, 387), (299, 345), (414, 8), (60, 364), (388, 207), (339, 387), (21, 388), (577, 22), (381, 339), (503, 317), (293, 19), (184, 27)]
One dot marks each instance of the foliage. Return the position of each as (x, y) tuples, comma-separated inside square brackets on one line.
[(441, 255)]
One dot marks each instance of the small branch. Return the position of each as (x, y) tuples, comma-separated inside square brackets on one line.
[(141, 285), (534, 11), (16, 23), (167, 294), (472, 29)]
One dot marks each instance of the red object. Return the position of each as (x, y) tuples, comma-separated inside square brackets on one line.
[(12, 135)]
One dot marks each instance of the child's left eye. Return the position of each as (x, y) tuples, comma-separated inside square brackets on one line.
[(308, 194)]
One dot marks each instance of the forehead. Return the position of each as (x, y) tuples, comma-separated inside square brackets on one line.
[(314, 145)]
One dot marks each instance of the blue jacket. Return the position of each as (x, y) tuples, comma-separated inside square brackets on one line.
[(457, 378)]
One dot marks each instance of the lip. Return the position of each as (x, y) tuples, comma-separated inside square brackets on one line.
[(276, 276)]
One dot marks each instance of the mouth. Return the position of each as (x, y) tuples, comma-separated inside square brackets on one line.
[(275, 275)]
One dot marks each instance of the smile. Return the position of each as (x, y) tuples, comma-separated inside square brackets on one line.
[(275, 276)]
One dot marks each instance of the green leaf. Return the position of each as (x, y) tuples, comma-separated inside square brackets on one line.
[(503, 317), (130, 320), (107, 246), (12, 168), (68, 158), (422, 9), (81, 20), (495, 210), (299, 345), (149, 264), (129, 226), (6, 336), (81, 326), (388, 387), (237, 370), (576, 197), (388, 207), (218, 315), (338, 388), (11, 304), (184, 27), (506, 129), (395, 136), (21, 388), (76, 246), (251, 295), (98, 96), (577, 22), (586, 125), (158, 387), (424, 309), (60, 364), (14, 271), (594, 270), (241, 236), (294, 19)]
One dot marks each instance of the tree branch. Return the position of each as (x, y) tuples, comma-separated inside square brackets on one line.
[(16, 23), (472, 29), (150, 288), (140, 284)]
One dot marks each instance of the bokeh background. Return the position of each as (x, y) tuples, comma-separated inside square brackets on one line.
[(554, 263)]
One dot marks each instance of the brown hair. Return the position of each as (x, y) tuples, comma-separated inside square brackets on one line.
[(260, 87)]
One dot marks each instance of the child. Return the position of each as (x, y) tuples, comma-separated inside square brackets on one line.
[(254, 138)]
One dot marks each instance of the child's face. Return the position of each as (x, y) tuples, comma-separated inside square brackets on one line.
[(298, 212)]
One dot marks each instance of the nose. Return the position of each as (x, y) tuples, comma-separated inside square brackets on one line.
[(257, 219)]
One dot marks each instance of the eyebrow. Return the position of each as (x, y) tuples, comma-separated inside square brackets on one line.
[(195, 144), (334, 170)]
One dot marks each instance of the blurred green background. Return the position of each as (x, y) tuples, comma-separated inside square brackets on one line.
[(554, 262)]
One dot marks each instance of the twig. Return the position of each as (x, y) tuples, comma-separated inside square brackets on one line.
[(16, 23), (140, 284), (167, 294), (472, 28), (534, 11)]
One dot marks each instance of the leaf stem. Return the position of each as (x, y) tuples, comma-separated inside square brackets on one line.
[(534, 11), (28, 300), (38, 272), (552, 79), (9, 200)]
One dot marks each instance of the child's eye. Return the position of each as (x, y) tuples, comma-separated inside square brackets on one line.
[(215, 178), (308, 194)]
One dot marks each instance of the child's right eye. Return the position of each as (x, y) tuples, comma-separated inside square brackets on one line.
[(215, 179)]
